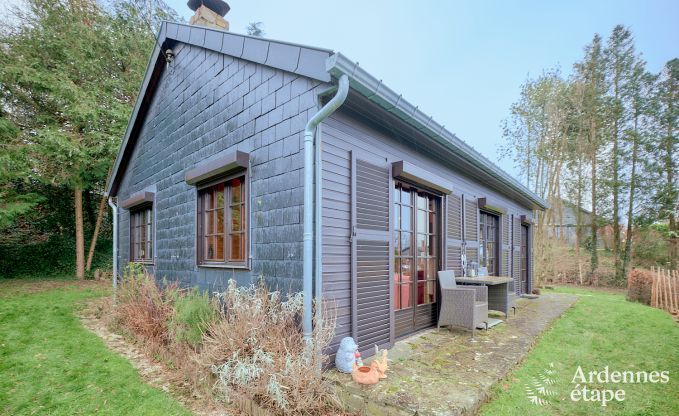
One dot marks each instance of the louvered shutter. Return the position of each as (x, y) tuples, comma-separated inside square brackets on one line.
[(371, 284), (454, 233), (471, 229), (516, 254), (505, 246)]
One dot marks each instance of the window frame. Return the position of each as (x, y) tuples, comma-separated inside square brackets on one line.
[(201, 188), (134, 212), (483, 241)]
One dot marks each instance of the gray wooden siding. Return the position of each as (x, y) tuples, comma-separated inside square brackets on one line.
[(208, 104), (344, 133)]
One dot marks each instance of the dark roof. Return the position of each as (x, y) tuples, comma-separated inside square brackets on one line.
[(317, 63)]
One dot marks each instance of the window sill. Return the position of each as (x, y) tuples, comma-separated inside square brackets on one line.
[(143, 263), (224, 266)]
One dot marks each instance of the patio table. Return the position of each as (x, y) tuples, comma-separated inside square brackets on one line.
[(497, 290)]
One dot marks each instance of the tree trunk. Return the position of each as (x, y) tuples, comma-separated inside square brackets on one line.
[(95, 234), (595, 259), (632, 189), (79, 234)]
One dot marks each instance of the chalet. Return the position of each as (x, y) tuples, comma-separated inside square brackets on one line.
[(251, 158)]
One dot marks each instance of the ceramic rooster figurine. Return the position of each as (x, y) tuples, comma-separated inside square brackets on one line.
[(380, 362)]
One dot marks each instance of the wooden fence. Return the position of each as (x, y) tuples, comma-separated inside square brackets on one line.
[(665, 290)]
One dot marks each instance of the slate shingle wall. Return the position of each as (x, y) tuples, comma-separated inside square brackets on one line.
[(207, 104)]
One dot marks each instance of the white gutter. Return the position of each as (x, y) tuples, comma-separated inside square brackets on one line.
[(310, 129), (375, 91), (114, 208)]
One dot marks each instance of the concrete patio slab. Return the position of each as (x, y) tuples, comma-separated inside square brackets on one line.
[(446, 372)]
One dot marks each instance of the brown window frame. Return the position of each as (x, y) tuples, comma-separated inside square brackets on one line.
[(147, 230), (225, 261), (432, 233), (486, 255)]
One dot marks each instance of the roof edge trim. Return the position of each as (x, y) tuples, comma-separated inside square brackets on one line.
[(376, 91)]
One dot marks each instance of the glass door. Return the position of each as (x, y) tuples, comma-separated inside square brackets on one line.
[(416, 258)]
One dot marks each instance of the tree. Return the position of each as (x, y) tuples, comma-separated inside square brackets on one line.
[(255, 29), (69, 75), (591, 73), (666, 154), (619, 58)]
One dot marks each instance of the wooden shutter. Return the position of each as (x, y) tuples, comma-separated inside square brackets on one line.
[(516, 254), (371, 262), (454, 233), (471, 229), (505, 245)]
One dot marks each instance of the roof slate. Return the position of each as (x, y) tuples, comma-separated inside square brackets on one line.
[(320, 64)]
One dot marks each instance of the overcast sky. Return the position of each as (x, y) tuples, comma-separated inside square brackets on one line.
[(461, 62)]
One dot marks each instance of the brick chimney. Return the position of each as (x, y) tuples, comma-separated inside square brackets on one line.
[(209, 13)]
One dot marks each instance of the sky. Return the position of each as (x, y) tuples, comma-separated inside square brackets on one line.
[(461, 62)]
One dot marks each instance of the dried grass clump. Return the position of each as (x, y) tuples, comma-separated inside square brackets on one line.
[(256, 350), (639, 284), (142, 308)]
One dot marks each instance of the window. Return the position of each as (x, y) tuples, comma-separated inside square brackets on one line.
[(488, 242), (141, 234), (222, 223), (416, 246)]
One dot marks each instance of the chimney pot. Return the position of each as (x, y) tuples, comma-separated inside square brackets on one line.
[(209, 13)]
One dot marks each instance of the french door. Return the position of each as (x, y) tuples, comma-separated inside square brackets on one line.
[(524, 258), (416, 245)]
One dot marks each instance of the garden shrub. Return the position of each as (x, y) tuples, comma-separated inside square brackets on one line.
[(257, 350), (142, 307), (193, 313), (639, 284)]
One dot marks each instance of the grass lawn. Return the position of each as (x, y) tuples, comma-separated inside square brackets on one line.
[(50, 364), (602, 329)]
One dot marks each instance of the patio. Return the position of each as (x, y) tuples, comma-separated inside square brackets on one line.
[(444, 372)]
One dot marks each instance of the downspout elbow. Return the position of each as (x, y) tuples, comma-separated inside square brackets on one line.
[(309, 131)]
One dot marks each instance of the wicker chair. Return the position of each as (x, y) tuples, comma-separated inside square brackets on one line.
[(511, 298), (463, 306)]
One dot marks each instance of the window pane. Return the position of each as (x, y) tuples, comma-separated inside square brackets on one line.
[(397, 245), (432, 268), (207, 200), (397, 270), (422, 245), (421, 268), (236, 189), (220, 221), (405, 197), (431, 291), (219, 242), (397, 216), (236, 223), (421, 289), (209, 248), (236, 247), (149, 250), (422, 201), (209, 223), (433, 245), (422, 221), (405, 218), (406, 270), (397, 194), (406, 242), (406, 296), (220, 195)]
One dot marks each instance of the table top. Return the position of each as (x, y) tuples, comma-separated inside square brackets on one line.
[(484, 280)]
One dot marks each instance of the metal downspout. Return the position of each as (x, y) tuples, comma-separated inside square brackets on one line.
[(310, 129), (114, 208)]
